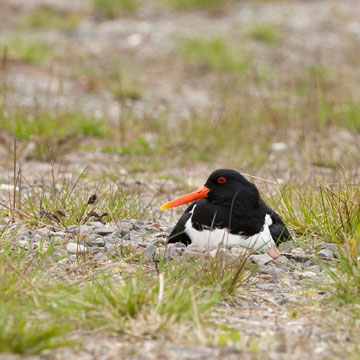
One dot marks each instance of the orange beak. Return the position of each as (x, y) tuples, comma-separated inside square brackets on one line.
[(195, 195)]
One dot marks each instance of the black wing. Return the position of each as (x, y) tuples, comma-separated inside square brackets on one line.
[(278, 230), (178, 233)]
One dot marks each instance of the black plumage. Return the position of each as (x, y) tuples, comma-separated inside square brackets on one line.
[(232, 202)]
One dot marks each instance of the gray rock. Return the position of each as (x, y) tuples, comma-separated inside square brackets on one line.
[(123, 228), (287, 246), (127, 237), (298, 251), (57, 233), (150, 250), (60, 253), (99, 241), (179, 245), (325, 254), (73, 229), (101, 257), (24, 238), (283, 262), (95, 223), (111, 240), (109, 247), (85, 229), (261, 259), (315, 269), (75, 248), (105, 230), (269, 287), (276, 273), (139, 224)]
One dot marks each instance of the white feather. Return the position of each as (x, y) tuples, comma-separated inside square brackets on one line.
[(262, 241)]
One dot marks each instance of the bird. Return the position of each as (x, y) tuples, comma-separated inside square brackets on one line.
[(228, 210)]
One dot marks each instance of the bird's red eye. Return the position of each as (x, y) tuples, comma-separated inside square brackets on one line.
[(221, 179)]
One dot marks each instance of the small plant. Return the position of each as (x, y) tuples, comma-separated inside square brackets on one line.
[(32, 52), (71, 202), (268, 33), (52, 134), (113, 8), (215, 53), (190, 4), (48, 19)]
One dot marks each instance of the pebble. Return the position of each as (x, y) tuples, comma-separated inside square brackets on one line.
[(105, 230), (261, 259), (193, 254), (284, 262), (325, 254), (287, 246), (75, 248), (99, 241)]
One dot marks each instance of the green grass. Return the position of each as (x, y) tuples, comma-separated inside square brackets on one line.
[(124, 84), (28, 51), (39, 311), (215, 54), (189, 4), (48, 19), (266, 32), (77, 201), (53, 134), (114, 8)]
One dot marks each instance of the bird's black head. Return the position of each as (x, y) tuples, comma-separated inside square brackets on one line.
[(227, 186), (223, 187)]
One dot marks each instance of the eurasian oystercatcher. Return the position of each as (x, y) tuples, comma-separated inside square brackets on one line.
[(228, 210)]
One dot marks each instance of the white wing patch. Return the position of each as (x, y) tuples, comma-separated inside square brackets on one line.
[(262, 241)]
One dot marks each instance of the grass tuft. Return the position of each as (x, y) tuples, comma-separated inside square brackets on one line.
[(32, 52), (113, 8), (266, 32), (215, 54), (48, 19)]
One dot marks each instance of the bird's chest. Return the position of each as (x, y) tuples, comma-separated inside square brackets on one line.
[(213, 230)]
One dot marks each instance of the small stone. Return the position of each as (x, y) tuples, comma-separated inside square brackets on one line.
[(95, 223), (193, 254), (60, 253), (139, 224), (73, 229), (325, 254), (24, 238), (24, 244), (287, 246), (111, 240), (179, 245), (150, 250), (75, 248), (101, 257), (276, 273), (109, 247), (105, 230), (43, 231), (85, 229), (261, 259), (99, 241), (298, 251), (127, 237), (283, 262), (57, 233), (315, 269)]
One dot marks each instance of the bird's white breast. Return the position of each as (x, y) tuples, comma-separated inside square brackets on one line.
[(205, 238)]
